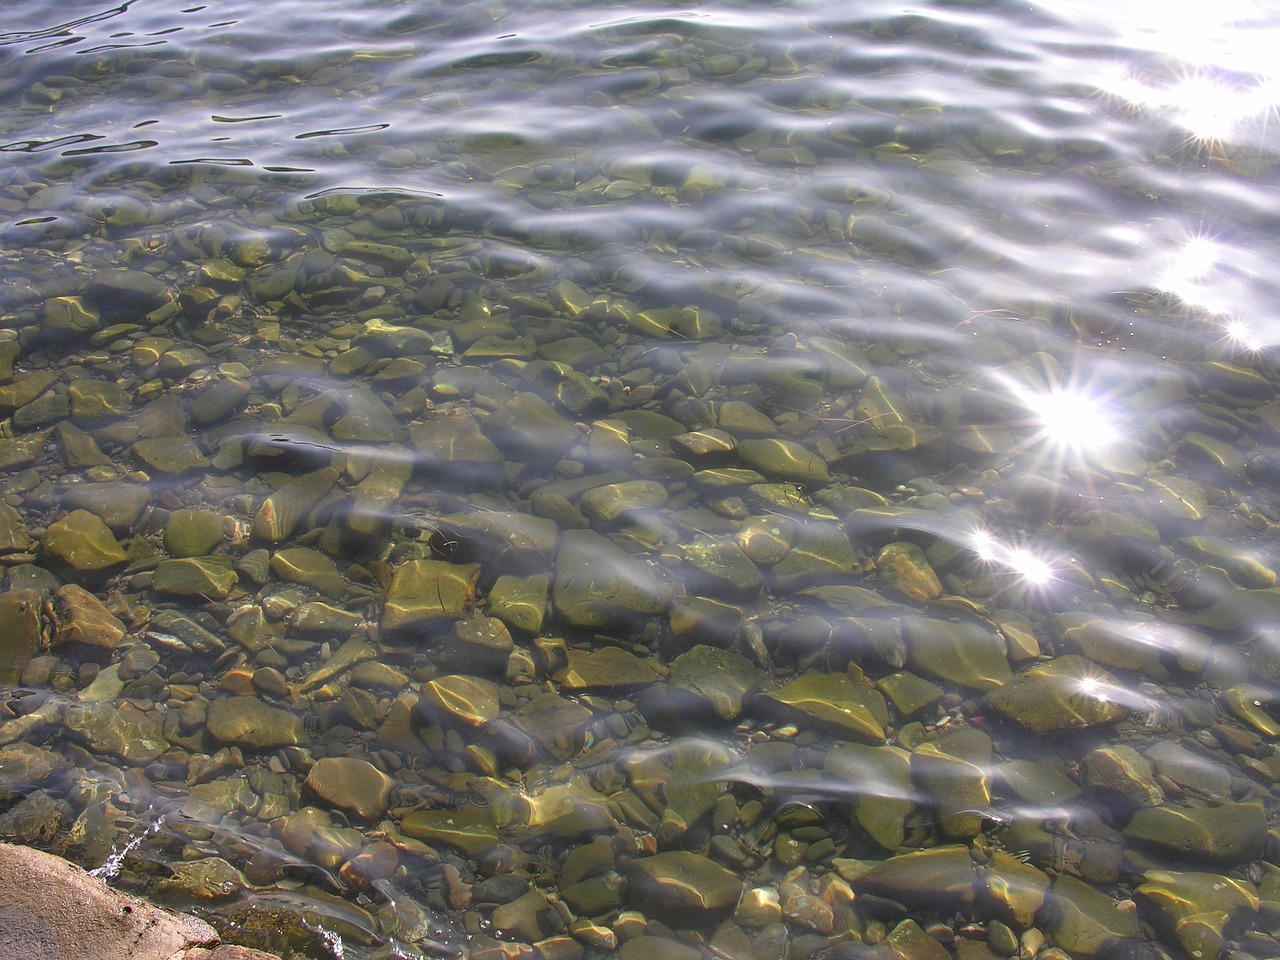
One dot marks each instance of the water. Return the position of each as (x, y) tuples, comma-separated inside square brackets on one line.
[(897, 353)]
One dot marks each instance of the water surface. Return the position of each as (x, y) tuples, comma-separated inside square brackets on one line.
[(477, 473)]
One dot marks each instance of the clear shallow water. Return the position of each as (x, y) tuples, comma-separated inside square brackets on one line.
[(1001, 276)]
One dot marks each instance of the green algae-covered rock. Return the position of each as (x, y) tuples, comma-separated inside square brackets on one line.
[(682, 888), (350, 784), (784, 460), (718, 678), (1083, 921), (193, 533), (960, 652), (597, 584), (940, 877), (1196, 908), (1226, 834), (832, 701), (81, 543), (1061, 695), (427, 595), (248, 722), (467, 830), (877, 783), (210, 577)]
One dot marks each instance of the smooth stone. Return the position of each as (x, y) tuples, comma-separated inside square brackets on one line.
[(820, 553), (1061, 695), (21, 451), (67, 319), (119, 729), (1190, 766), (1042, 783), (310, 833), (117, 504), (597, 584), (741, 419), (209, 577), (682, 888), (208, 879), (766, 540), (464, 830), (248, 722), (784, 460), (1226, 834), (902, 567), (520, 602), (939, 876), (193, 533), (219, 400), (350, 784), (398, 340), (720, 567), (81, 542), (511, 540), (909, 941), (80, 617), (959, 789), (24, 390), (478, 645), (309, 568), (609, 668), (1196, 908), (718, 678), (557, 724), (20, 632), (876, 782), (364, 417), (1011, 889), (283, 511), (426, 595), (126, 291), (613, 503), (526, 918), (1121, 772), (14, 536), (959, 652), (23, 767), (909, 693), (170, 455), (832, 701), (316, 619), (94, 400), (185, 631), (1085, 922), (459, 700), (529, 429)]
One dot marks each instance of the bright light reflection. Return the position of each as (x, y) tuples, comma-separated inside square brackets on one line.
[(1069, 419), (1028, 567)]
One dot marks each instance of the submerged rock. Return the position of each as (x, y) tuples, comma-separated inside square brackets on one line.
[(248, 722), (683, 888), (1065, 694)]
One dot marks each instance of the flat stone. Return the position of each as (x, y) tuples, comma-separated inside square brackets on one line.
[(14, 536), (611, 504), (682, 888), (118, 504), (721, 567), (902, 567), (193, 533), (876, 781), (820, 553), (219, 400), (1227, 834), (170, 455), (23, 767), (556, 723), (1085, 922), (464, 830), (720, 679), (784, 460), (20, 632), (1196, 908), (309, 568), (248, 722), (939, 876), (119, 729), (959, 652), (609, 668), (210, 577), (126, 291), (1011, 889), (832, 701), (1061, 695), (597, 584), (81, 542), (24, 390), (283, 511), (80, 617), (350, 784), (426, 595), (520, 602), (480, 645), (958, 789), (457, 700), (95, 400), (1119, 771)]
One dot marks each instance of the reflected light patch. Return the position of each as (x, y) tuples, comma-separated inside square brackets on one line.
[(1028, 566), (1069, 419)]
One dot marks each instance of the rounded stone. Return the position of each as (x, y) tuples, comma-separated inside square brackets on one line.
[(248, 722), (350, 784)]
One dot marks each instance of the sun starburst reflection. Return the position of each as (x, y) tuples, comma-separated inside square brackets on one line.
[(1028, 566)]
